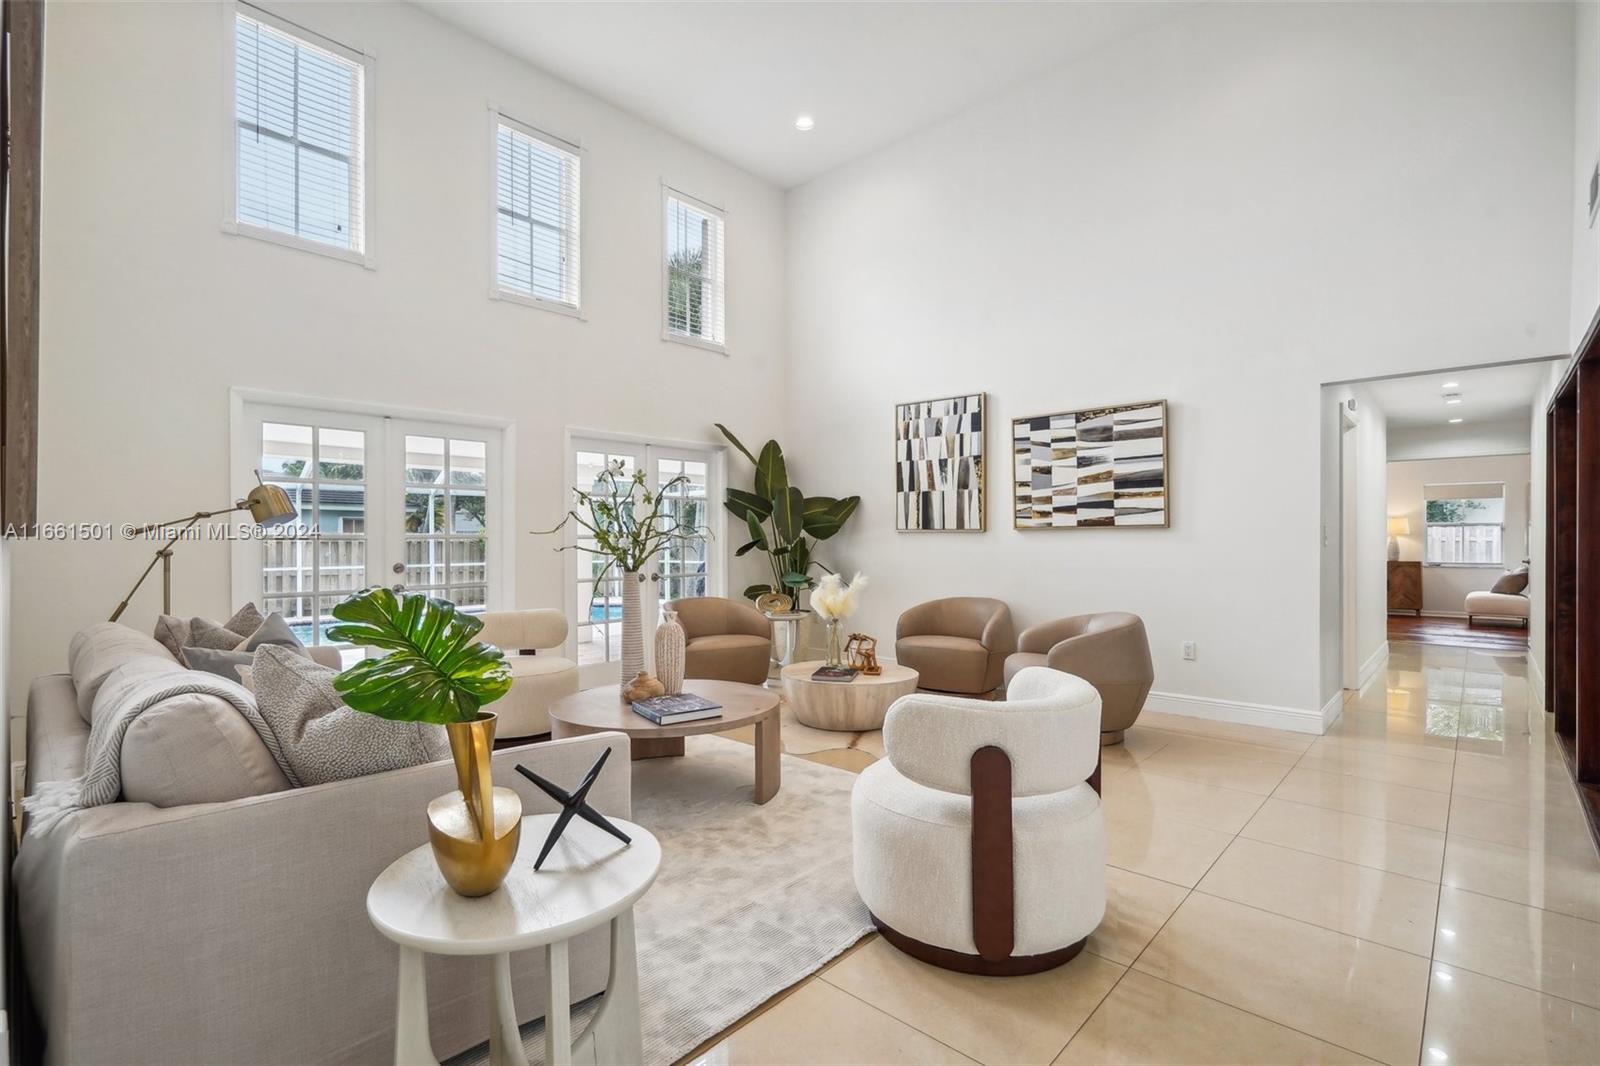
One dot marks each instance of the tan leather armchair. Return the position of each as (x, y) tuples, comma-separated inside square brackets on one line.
[(957, 644), (1109, 650), (725, 640)]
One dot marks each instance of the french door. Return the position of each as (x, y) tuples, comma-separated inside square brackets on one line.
[(409, 503), (692, 566)]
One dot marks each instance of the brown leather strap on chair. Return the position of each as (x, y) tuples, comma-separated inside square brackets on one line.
[(993, 884)]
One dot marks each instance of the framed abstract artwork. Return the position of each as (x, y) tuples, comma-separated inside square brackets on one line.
[(1105, 466), (938, 464)]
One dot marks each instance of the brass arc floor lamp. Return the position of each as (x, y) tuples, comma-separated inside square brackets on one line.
[(268, 505)]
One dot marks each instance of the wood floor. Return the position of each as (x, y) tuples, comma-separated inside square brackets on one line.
[(1454, 632)]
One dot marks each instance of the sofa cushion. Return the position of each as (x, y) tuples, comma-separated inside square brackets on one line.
[(195, 748), (1512, 583), (1497, 603), (729, 657), (103, 647), (322, 739)]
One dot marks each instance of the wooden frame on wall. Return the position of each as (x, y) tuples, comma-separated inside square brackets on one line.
[(22, 79), (1046, 450), (945, 492)]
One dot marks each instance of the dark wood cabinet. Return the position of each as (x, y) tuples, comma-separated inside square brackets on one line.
[(1405, 586)]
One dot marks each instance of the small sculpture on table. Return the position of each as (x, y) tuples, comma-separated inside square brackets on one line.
[(572, 803), (861, 652)]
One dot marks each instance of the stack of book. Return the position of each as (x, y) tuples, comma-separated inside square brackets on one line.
[(675, 710), (834, 673)]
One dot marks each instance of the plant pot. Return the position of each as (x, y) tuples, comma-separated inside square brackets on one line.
[(632, 629), (474, 831)]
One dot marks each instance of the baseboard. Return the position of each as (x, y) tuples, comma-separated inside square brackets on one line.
[(1332, 709), (1535, 681), (1442, 614), (1292, 719), (1373, 664)]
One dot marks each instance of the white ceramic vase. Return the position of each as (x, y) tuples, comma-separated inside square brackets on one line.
[(670, 642), (632, 630)]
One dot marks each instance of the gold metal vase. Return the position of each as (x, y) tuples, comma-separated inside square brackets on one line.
[(474, 831)]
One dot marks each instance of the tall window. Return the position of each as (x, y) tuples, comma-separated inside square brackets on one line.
[(694, 271), (1466, 524), (536, 216), (299, 114)]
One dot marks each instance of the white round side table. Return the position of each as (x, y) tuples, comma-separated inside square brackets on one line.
[(589, 878)]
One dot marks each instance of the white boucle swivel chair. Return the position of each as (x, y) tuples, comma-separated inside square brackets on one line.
[(980, 841)]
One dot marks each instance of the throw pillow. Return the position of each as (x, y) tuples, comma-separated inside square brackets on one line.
[(172, 633), (217, 661), (204, 633), (1513, 583), (272, 630), (321, 738)]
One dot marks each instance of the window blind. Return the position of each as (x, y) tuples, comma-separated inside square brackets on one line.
[(298, 108), (694, 270), (537, 216)]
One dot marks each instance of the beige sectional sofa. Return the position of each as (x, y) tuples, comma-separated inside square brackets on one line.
[(235, 930)]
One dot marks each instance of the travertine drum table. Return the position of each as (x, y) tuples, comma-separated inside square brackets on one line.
[(849, 706)]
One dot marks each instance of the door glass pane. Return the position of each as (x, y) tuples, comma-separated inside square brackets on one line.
[(467, 510), (309, 565), (468, 462), (424, 460)]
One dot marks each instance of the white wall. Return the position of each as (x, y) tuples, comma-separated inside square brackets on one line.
[(1444, 589), (1586, 152), (150, 312), (1539, 495), (1226, 210), (1371, 549), (1500, 437)]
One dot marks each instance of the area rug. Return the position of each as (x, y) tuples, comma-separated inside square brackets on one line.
[(750, 899)]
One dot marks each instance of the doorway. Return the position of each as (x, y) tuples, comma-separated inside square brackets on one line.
[(414, 503), (692, 476)]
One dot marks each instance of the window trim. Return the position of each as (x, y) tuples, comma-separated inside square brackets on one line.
[(498, 118), (671, 192), (368, 63)]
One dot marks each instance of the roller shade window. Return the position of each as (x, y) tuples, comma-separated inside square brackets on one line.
[(695, 275), (299, 115), (537, 216)]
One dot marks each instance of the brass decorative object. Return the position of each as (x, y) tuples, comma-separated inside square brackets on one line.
[(474, 831), (861, 653), (774, 603), (643, 687)]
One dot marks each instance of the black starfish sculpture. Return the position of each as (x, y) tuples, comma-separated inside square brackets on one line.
[(572, 803)]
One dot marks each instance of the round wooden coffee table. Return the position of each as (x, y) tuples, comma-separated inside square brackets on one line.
[(850, 706), (603, 710)]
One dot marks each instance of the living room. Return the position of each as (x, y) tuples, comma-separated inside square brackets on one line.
[(866, 316)]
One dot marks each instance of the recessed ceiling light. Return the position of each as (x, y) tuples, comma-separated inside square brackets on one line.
[(1454, 397), (805, 123), (1453, 421), (1451, 385)]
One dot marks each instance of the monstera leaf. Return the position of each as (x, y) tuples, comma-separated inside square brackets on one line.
[(435, 671)]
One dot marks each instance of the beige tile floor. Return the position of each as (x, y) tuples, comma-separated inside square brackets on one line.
[(1415, 887)]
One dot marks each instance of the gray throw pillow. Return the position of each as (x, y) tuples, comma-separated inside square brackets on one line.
[(272, 630), (321, 738), (204, 633), (172, 633), (1513, 583), (217, 661)]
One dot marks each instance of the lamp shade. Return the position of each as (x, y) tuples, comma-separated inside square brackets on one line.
[(1399, 527), (269, 506)]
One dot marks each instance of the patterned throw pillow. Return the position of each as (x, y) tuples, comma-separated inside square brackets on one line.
[(321, 738)]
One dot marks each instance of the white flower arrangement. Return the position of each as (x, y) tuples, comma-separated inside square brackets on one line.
[(833, 600)]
